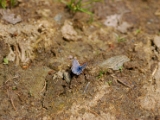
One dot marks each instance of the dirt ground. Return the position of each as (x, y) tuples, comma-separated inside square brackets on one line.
[(120, 45)]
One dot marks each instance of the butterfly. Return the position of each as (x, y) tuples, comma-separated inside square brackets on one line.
[(76, 68)]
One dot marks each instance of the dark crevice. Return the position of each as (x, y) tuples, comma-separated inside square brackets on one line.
[(12, 47)]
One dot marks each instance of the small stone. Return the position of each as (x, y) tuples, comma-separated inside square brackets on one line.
[(58, 18), (54, 77), (157, 41), (123, 28), (112, 20), (68, 32), (60, 74), (10, 17), (115, 62), (67, 77)]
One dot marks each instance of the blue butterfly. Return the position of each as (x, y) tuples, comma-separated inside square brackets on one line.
[(76, 68)]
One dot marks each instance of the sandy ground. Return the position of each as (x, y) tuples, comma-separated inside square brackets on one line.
[(120, 45)]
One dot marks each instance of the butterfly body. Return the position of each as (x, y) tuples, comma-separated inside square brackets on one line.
[(76, 68)]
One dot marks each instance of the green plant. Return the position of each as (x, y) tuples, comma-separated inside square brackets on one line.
[(14, 88), (120, 39), (121, 68), (5, 61), (30, 94), (101, 73), (13, 2), (109, 82), (8, 3), (79, 5), (137, 31)]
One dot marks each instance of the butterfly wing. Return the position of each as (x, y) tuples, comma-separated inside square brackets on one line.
[(75, 67), (84, 66)]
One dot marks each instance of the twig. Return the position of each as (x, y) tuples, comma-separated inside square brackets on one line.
[(153, 74), (11, 100), (96, 114), (7, 81), (13, 104), (154, 71), (45, 83), (86, 87), (114, 78), (93, 112)]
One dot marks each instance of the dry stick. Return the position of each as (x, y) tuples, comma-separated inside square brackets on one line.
[(154, 71), (19, 97), (45, 83), (96, 114), (153, 74), (13, 104), (7, 81), (11, 101), (93, 112), (86, 87), (114, 78)]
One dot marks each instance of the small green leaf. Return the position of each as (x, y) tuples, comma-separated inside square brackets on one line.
[(109, 82), (3, 3), (79, 6), (14, 88), (13, 2), (85, 11), (101, 74), (30, 94), (137, 31), (121, 68), (5, 61)]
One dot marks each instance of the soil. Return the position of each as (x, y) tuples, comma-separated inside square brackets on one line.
[(37, 83)]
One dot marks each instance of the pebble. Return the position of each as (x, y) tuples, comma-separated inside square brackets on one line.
[(68, 31), (11, 17), (67, 77), (58, 18), (114, 63), (157, 41), (60, 74)]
